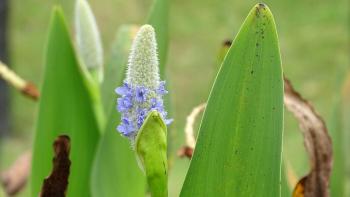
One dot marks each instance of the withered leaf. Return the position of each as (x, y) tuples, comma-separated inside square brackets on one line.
[(56, 184), (317, 142)]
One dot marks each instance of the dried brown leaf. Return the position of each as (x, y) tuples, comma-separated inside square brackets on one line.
[(56, 184), (317, 142)]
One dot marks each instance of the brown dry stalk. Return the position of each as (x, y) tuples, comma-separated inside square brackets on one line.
[(187, 150), (317, 143), (56, 184), (26, 88)]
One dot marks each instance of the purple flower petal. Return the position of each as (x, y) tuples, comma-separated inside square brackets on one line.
[(141, 94), (161, 89), (168, 121), (124, 103), (123, 90)]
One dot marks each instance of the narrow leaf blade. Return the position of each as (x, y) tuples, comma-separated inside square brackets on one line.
[(65, 108), (238, 151)]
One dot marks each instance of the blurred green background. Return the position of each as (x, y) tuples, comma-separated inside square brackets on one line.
[(314, 40)]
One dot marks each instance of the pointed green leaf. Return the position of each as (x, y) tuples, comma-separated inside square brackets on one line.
[(151, 148), (65, 108), (159, 19), (114, 154), (238, 151)]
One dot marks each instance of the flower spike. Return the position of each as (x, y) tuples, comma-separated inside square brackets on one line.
[(142, 91)]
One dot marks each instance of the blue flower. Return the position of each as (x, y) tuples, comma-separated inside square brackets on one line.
[(124, 103), (168, 121), (141, 93), (141, 116), (126, 128), (161, 89), (157, 104), (142, 90), (123, 90), (135, 103)]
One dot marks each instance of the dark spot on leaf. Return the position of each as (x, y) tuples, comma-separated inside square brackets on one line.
[(164, 168), (227, 43)]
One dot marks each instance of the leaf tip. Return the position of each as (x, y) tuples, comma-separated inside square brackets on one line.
[(261, 9)]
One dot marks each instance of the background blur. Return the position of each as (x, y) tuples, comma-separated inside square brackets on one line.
[(314, 40)]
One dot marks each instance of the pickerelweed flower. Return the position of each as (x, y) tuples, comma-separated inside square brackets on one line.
[(142, 90)]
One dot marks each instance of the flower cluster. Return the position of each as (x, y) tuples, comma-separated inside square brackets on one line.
[(142, 90), (134, 105)]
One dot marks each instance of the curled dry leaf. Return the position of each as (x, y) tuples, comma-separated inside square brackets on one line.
[(56, 184), (317, 142)]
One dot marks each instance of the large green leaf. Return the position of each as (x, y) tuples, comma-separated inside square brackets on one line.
[(238, 151), (65, 108), (115, 171), (159, 19)]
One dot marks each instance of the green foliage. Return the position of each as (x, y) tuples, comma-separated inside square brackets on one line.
[(238, 151), (114, 152), (151, 149), (65, 108)]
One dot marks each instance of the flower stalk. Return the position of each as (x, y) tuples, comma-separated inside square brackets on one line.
[(143, 117)]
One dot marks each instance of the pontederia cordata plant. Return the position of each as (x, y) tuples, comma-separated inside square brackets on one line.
[(116, 114)]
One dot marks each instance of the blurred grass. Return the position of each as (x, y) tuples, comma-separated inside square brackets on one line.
[(314, 38)]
